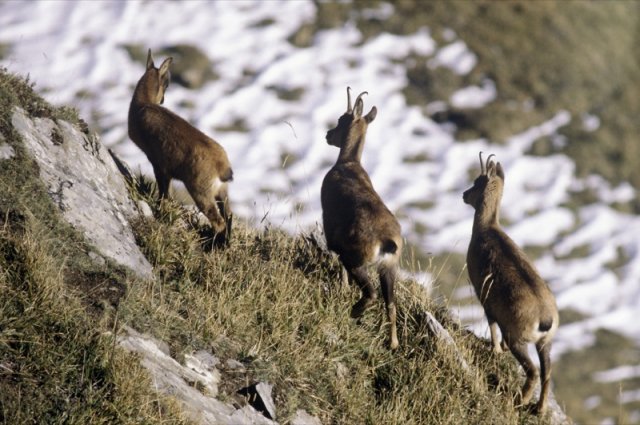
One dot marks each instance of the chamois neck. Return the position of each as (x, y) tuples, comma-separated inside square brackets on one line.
[(487, 215), (351, 151)]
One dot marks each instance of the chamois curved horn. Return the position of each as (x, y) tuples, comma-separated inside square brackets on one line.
[(486, 168), (482, 170), (359, 96), (349, 107)]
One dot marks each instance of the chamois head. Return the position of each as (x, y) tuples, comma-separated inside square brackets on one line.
[(351, 122), (487, 187), (155, 81)]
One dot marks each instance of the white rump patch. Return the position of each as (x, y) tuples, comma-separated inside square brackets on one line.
[(217, 184), (384, 258), (536, 334)]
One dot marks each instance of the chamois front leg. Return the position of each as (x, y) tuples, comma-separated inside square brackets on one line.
[(387, 280), (361, 277), (498, 345), (164, 182)]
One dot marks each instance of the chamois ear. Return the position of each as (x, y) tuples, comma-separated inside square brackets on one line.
[(491, 169), (357, 109), (499, 171), (371, 115), (164, 68), (150, 61)]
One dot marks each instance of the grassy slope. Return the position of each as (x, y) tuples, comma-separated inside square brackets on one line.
[(270, 301)]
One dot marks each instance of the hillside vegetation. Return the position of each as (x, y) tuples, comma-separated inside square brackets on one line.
[(270, 301)]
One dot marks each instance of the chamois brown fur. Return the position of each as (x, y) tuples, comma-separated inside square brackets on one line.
[(357, 224), (512, 293), (177, 150)]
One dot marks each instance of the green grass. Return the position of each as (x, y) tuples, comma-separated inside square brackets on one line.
[(271, 301)]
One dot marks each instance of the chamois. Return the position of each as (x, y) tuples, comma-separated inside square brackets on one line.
[(177, 150), (357, 224), (511, 291)]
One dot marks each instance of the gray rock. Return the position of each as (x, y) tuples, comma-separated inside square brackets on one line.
[(85, 184), (204, 363), (555, 415), (145, 209), (259, 396), (303, 418), (184, 383), (232, 364), (445, 338), (191, 67)]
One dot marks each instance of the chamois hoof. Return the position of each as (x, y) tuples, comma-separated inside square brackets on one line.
[(361, 306), (394, 344), (219, 228), (220, 240), (521, 402), (211, 240), (534, 409), (504, 346), (538, 409)]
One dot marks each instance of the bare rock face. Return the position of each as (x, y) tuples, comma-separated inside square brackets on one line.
[(194, 384), (259, 396), (86, 186)]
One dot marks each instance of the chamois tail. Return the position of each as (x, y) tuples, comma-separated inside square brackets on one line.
[(545, 324), (227, 175), (388, 247)]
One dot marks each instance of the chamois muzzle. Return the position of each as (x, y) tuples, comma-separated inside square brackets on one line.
[(465, 197), (331, 137)]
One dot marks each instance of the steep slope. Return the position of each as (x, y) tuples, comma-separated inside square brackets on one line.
[(270, 304)]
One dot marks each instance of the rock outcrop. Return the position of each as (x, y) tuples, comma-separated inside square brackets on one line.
[(85, 184), (194, 384)]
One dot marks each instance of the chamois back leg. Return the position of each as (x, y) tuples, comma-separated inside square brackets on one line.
[(361, 277), (519, 350), (222, 202), (206, 202), (543, 347), (387, 280)]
